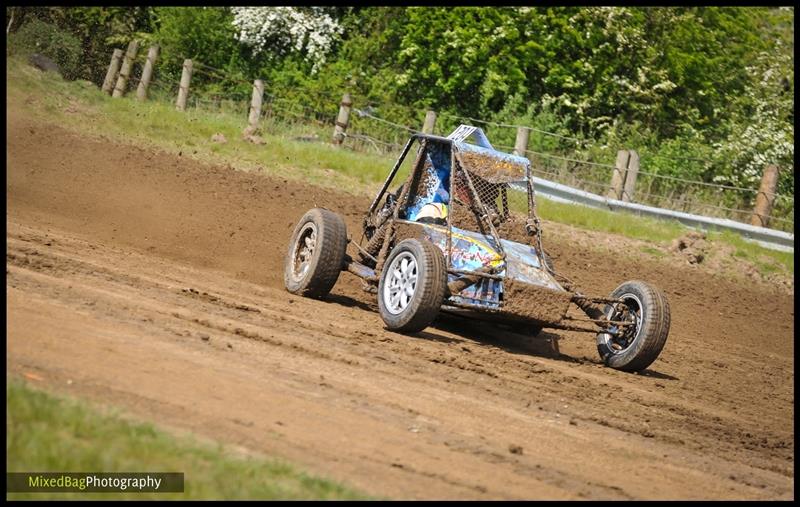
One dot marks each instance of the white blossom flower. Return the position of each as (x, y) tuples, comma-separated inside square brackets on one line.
[(283, 29)]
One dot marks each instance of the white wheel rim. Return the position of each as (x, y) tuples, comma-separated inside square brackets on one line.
[(611, 343), (400, 283), (304, 251)]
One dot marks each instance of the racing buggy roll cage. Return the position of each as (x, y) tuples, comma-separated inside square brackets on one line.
[(385, 223)]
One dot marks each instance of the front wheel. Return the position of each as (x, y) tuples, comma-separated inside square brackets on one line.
[(635, 346), (412, 287)]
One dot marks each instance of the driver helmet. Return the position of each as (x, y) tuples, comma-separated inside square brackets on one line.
[(433, 210)]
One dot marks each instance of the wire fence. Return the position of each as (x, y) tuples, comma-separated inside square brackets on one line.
[(384, 128)]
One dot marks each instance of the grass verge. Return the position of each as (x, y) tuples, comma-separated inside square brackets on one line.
[(767, 261), (83, 107), (47, 433)]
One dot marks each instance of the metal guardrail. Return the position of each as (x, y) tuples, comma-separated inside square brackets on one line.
[(768, 238)]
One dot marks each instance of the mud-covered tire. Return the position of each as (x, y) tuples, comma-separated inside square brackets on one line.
[(417, 266), (641, 346), (316, 253)]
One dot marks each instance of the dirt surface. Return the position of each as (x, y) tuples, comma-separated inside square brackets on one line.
[(151, 282)]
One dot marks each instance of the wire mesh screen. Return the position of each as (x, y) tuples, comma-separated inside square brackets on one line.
[(483, 193), (489, 194)]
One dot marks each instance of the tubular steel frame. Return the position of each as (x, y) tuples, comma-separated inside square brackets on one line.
[(532, 225)]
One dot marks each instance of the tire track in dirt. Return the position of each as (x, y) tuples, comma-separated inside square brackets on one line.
[(157, 255), (508, 370)]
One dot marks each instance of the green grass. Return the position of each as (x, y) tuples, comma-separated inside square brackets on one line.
[(624, 224), (47, 433), (161, 125), (653, 251), (766, 261), (158, 123)]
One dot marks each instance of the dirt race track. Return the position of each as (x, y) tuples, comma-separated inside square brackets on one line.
[(154, 283)]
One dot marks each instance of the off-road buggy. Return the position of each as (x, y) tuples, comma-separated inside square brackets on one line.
[(461, 235)]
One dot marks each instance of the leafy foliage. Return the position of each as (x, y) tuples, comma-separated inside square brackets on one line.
[(277, 31), (48, 40), (207, 36), (98, 31)]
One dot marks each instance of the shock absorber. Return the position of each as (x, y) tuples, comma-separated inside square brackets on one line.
[(588, 307)]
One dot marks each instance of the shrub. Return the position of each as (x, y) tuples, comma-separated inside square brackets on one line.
[(48, 40)]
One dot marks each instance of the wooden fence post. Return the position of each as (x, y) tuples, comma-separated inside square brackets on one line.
[(113, 69), (765, 197), (147, 73), (183, 91), (255, 104), (342, 120), (430, 122), (618, 176), (521, 144), (125, 71), (630, 176)]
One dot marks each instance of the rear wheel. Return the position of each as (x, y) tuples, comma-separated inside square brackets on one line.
[(412, 286), (316, 253), (636, 346)]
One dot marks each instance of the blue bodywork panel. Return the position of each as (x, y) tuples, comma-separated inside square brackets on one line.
[(472, 251)]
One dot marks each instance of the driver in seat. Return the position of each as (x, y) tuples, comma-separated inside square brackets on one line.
[(433, 213)]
